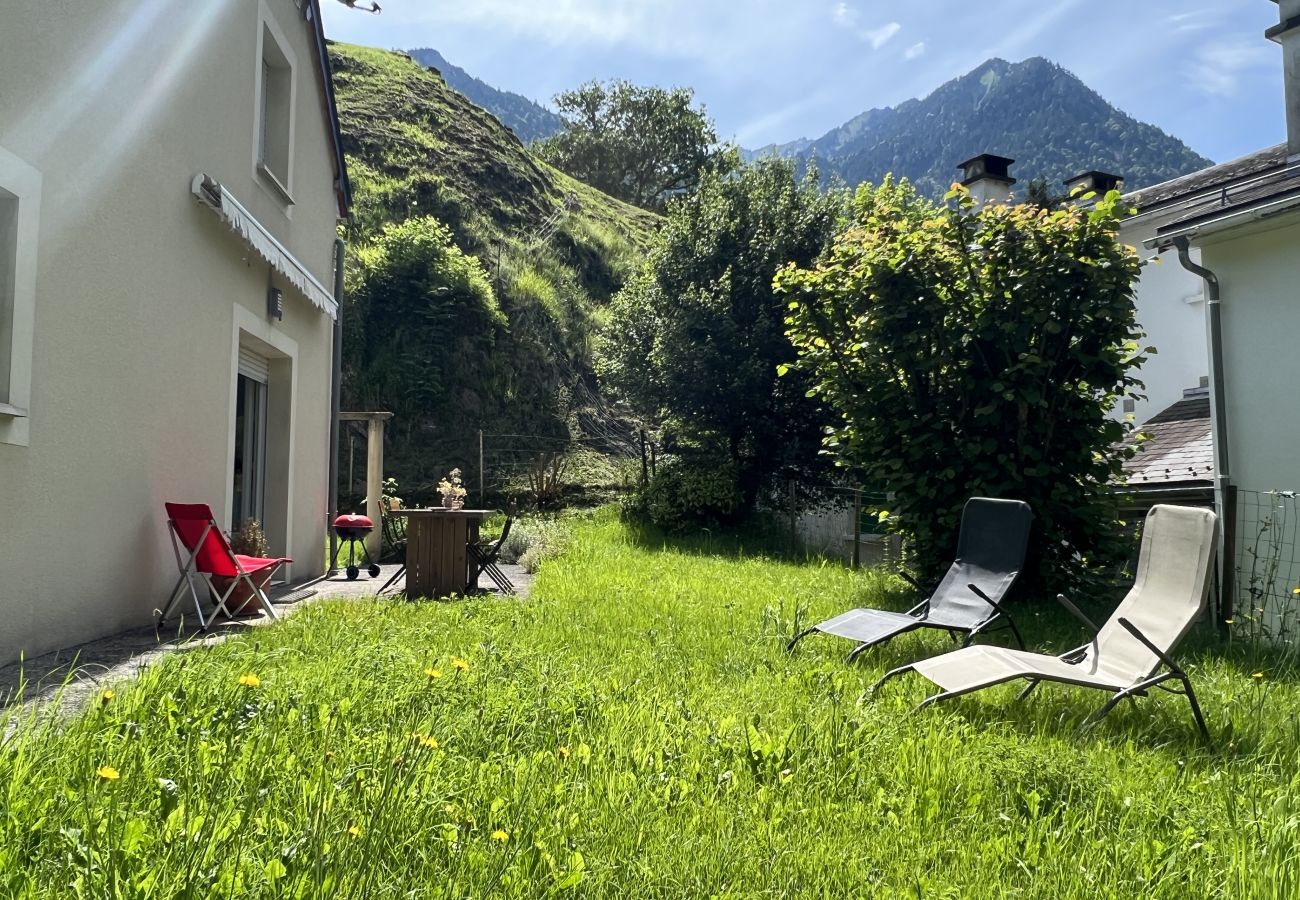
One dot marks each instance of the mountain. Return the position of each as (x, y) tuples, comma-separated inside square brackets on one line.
[(529, 121), (1035, 112)]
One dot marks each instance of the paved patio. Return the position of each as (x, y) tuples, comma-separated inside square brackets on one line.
[(73, 675)]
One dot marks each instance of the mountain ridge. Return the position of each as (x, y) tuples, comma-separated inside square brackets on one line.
[(528, 119), (1033, 111)]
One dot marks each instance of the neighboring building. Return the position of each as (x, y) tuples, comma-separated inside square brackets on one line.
[(1244, 217), (1176, 460), (170, 173)]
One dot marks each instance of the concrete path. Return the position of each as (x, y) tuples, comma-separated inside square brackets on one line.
[(75, 675)]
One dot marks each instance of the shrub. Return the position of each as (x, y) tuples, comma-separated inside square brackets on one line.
[(978, 352), (688, 494)]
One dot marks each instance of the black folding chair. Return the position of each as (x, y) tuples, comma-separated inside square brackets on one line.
[(990, 552), (485, 557)]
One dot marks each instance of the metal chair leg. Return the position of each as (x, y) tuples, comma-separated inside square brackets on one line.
[(1196, 707), (789, 648), (892, 673), (396, 575), (1029, 689)]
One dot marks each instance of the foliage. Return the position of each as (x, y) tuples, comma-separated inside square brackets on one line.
[(1051, 123), (686, 494), (414, 284), (250, 540), (644, 145), (636, 714), (553, 251), (529, 121), (695, 340), (978, 353)]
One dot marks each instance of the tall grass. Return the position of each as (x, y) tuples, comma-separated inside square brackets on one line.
[(635, 728)]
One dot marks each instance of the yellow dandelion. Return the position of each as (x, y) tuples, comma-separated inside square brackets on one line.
[(429, 742), (1258, 676), (355, 831), (1295, 590), (433, 673), (106, 696), (500, 836), (249, 680), (562, 751), (1227, 621), (460, 664), (108, 773), (449, 809)]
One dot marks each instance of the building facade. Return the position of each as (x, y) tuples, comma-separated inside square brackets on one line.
[(171, 180)]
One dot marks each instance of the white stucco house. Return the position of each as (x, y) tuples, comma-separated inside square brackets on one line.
[(171, 179), (1244, 218)]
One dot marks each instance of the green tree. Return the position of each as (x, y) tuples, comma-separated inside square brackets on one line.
[(977, 352), (694, 341), (644, 145)]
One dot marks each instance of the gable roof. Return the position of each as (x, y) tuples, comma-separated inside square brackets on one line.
[(1179, 450), (342, 186)]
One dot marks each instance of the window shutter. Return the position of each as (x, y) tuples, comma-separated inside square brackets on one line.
[(253, 366)]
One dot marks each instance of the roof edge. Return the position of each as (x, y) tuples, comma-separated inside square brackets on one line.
[(343, 189)]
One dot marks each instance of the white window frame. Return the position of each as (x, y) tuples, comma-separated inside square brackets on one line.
[(22, 181), (278, 184)]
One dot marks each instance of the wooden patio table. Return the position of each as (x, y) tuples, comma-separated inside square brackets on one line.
[(437, 561)]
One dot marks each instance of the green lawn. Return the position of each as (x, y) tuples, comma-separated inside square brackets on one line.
[(634, 729)]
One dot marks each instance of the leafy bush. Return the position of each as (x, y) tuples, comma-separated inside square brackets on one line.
[(978, 352), (687, 494)]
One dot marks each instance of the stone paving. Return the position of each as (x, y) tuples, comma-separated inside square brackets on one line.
[(73, 675)]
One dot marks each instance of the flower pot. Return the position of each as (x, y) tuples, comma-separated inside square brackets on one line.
[(458, 503), (242, 600), (448, 502)]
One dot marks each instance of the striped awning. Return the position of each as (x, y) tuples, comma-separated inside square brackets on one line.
[(215, 197)]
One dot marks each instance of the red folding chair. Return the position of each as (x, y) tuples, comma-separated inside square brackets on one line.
[(193, 528)]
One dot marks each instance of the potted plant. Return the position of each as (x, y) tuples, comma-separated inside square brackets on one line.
[(388, 499), (452, 490), (248, 540)]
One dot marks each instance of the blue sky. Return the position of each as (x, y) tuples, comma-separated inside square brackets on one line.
[(770, 71)]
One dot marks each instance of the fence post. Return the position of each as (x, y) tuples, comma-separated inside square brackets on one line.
[(794, 530), (645, 470), (857, 528), (1228, 559), (481, 496)]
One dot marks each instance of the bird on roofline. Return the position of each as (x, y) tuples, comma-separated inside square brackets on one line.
[(352, 4)]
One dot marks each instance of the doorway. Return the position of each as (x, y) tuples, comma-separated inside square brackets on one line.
[(250, 441)]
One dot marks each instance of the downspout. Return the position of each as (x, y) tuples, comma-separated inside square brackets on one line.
[(1224, 499), (1212, 307), (336, 390)]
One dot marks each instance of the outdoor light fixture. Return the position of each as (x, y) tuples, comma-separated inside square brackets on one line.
[(275, 304)]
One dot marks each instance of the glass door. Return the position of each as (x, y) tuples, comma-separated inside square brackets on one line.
[(250, 451)]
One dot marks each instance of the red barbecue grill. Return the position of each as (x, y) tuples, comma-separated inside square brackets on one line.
[(353, 530)]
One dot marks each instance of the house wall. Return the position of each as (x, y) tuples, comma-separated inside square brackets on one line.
[(1171, 310), (143, 297), (1258, 272)]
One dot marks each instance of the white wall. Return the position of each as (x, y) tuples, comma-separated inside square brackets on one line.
[(141, 298), (1171, 310)]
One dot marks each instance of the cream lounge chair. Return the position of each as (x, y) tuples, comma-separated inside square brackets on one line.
[(1129, 651)]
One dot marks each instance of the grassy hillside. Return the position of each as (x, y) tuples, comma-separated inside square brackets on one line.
[(552, 249)]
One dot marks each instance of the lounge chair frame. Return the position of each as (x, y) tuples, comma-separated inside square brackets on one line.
[(997, 614), (1165, 670)]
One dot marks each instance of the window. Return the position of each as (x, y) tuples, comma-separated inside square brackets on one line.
[(275, 111), (8, 259), (20, 195)]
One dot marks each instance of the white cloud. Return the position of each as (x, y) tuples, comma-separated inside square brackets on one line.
[(914, 51), (1217, 68), (1194, 20), (879, 37), (845, 15)]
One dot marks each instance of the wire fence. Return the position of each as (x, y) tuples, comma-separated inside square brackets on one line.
[(1261, 540)]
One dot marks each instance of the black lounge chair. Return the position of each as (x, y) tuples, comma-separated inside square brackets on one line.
[(990, 553), (485, 558)]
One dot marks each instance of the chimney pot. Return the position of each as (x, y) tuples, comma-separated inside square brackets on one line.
[(988, 177), (1093, 180), (1287, 33)]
